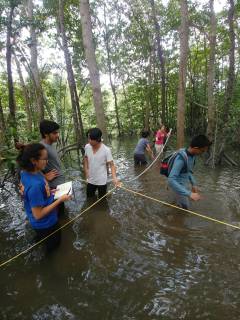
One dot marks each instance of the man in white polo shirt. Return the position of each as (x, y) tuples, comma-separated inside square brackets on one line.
[(97, 157)]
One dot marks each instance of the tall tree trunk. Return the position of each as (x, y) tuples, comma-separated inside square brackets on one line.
[(166, 100), (34, 62), (184, 33), (211, 72), (11, 97), (25, 94), (77, 118), (149, 92), (129, 110), (2, 126), (109, 63), (231, 75), (230, 81), (31, 89), (92, 65), (162, 62)]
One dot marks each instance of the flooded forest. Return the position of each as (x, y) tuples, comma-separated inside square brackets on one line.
[(87, 91)]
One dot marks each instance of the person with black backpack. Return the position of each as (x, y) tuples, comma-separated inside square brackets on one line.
[(179, 171)]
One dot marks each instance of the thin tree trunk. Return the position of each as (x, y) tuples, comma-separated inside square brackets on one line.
[(77, 119), (113, 87), (162, 62), (147, 109), (231, 74), (2, 126), (129, 110), (11, 97), (148, 100), (34, 62), (211, 73), (92, 65), (231, 77), (184, 33), (25, 94)]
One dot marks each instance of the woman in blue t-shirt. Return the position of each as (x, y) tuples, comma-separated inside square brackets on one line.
[(40, 207)]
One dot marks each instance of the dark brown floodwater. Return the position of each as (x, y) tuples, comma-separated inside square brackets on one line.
[(129, 258)]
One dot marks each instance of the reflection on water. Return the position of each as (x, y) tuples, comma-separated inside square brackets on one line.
[(128, 257)]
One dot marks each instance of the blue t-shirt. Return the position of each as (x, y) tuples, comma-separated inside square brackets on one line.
[(141, 146), (35, 195)]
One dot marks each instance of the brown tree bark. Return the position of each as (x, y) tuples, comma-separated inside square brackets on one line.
[(231, 73), (2, 126), (34, 63), (77, 118), (148, 95), (92, 65), (109, 63), (11, 97), (184, 34), (230, 81), (162, 62), (129, 111), (25, 94), (211, 72)]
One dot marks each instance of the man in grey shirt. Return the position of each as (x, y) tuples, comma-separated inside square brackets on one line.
[(53, 172)]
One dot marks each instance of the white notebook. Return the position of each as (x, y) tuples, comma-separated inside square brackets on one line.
[(64, 188)]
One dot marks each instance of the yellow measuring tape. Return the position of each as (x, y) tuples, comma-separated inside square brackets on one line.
[(63, 226), (131, 191), (185, 210)]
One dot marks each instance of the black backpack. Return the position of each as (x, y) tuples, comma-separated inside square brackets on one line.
[(167, 163)]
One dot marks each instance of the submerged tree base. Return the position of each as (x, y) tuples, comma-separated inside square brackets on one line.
[(219, 159)]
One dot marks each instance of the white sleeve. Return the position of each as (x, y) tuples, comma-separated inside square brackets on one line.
[(86, 148), (109, 154)]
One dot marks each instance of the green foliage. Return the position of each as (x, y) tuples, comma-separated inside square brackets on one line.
[(8, 158), (125, 40)]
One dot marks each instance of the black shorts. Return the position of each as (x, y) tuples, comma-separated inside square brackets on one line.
[(91, 190), (51, 242), (61, 209), (140, 159)]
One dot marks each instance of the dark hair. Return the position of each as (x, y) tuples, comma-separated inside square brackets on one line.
[(95, 134), (200, 141), (87, 133), (30, 151), (48, 126), (145, 133)]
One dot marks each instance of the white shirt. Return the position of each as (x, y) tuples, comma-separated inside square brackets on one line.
[(97, 164)]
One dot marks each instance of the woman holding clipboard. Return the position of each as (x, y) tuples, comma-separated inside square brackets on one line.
[(40, 207)]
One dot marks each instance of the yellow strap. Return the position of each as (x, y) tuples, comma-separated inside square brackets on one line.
[(63, 226), (185, 210), (126, 189)]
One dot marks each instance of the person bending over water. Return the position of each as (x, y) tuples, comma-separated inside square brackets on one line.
[(142, 146), (40, 207), (181, 173)]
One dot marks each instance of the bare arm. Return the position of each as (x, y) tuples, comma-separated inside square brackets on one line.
[(114, 175), (86, 167), (41, 212), (149, 150), (49, 176)]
